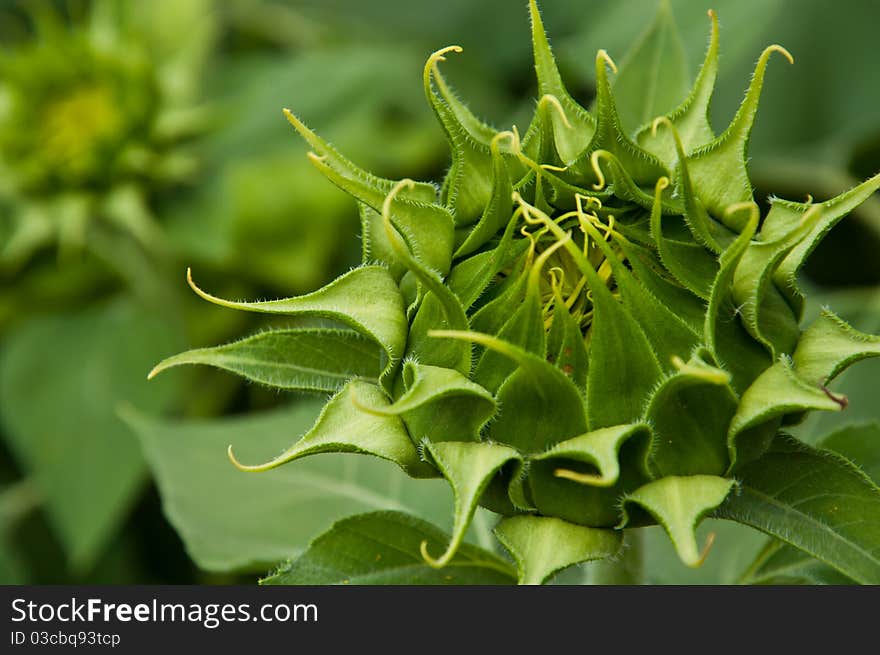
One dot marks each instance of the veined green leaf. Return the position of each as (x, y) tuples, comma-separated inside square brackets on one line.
[(543, 546), (61, 378), (816, 501), (679, 504), (229, 520), (306, 359), (780, 563), (383, 548)]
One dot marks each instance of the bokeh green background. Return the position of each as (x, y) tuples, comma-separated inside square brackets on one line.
[(107, 478)]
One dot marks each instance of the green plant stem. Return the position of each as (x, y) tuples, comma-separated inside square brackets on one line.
[(627, 568)]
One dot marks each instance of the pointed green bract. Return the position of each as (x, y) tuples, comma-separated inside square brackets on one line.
[(543, 546), (690, 414), (599, 448), (718, 169), (468, 467), (343, 428), (829, 346), (679, 504), (778, 391), (439, 404), (308, 359), (366, 299), (784, 215)]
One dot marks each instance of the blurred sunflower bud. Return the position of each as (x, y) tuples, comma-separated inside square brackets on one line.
[(95, 115)]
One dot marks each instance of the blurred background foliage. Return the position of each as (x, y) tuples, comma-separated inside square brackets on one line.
[(139, 138)]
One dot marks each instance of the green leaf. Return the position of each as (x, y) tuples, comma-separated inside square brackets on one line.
[(440, 404), (366, 299), (308, 359), (678, 504), (543, 546), (61, 378), (860, 444), (780, 563), (383, 548), (231, 520), (817, 502), (468, 467), (344, 428), (654, 74)]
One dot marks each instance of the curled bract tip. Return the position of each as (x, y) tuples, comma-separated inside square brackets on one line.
[(581, 478), (242, 467), (511, 135), (770, 49), (657, 122), (430, 561), (710, 539), (603, 55), (405, 183), (553, 101), (594, 162)]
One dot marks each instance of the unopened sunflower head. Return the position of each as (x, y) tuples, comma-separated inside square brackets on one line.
[(88, 131), (584, 329)]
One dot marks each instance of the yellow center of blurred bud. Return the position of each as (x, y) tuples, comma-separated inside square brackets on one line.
[(77, 126)]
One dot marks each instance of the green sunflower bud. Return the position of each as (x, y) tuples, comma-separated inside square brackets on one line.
[(91, 125), (585, 329)]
